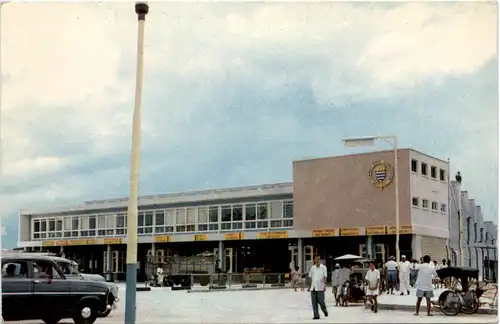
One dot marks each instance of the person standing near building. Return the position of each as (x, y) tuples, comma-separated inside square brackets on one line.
[(391, 269), (159, 276), (296, 279), (372, 279), (317, 287), (424, 284), (404, 275), (336, 283)]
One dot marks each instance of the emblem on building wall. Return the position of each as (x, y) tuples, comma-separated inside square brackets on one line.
[(381, 174)]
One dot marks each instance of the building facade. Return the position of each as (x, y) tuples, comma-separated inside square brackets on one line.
[(479, 237), (334, 206)]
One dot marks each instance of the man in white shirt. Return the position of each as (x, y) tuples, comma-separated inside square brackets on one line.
[(424, 284), (159, 276), (404, 275), (372, 279), (391, 267), (336, 282), (317, 287)]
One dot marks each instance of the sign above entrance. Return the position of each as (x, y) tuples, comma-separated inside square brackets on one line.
[(233, 236), (324, 232), (55, 243), (114, 240), (272, 235), (375, 230), (162, 239), (349, 231), (200, 237), (403, 229), (381, 174), (77, 242)]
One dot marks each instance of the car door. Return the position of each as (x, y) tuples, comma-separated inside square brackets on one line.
[(51, 290), (17, 290)]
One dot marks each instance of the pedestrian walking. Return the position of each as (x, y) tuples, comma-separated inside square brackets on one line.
[(296, 280), (317, 287), (404, 275), (372, 279), (391, 268), (336, 283), (426, 273)]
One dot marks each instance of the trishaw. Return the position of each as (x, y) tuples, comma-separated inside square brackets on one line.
[(463, 291), (357, 287)]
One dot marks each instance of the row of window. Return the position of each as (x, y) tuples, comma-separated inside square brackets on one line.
[(260, 215), (424, 203), (423, 168), (481, 238)]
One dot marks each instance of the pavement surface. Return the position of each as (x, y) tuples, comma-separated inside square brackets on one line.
[(162, 305)]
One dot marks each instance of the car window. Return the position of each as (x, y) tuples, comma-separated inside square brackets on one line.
[(45, 269), (14, 269), (65, 269)]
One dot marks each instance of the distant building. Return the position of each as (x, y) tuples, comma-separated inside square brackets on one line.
[(334, 206)]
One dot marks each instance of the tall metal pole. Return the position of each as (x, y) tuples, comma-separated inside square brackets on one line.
[(396, 195), (130, 292), (458, 178)]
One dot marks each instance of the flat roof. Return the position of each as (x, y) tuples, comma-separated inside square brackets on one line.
[(175, 198)]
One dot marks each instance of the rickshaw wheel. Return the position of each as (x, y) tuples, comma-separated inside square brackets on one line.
[(472, 305), (450, 303)]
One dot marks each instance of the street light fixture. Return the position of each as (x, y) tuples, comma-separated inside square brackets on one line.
[(393, 141), (130, 292)]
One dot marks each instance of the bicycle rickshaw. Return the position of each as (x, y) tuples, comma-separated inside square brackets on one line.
[(463, 291)]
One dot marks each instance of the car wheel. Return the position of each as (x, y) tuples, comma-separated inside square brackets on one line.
[(105, 313), (51, 320), (86, 313)]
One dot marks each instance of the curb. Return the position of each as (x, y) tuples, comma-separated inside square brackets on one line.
[(236, 289), (411, 308)]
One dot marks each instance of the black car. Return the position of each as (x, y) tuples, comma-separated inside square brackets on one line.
[(33, 287)]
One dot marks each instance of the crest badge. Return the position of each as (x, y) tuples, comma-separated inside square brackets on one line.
[(381, 174)]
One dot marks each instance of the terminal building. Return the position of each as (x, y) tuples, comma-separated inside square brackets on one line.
[(334, 206)]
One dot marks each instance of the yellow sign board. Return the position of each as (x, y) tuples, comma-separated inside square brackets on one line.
[(61, 243), (77, 242), (323, 232), (113, 240), (233, 236), (349, 231), (403, 229), (272, 235), (48, 243), (91, 241), (162, 239), (200, 237), (375, 230)]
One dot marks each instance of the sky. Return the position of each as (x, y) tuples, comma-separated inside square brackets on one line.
[(234, 92)]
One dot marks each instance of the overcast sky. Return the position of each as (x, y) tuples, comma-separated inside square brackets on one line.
[(234, 92)]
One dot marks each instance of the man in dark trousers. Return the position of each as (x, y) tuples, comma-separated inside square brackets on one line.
[(317, 287)]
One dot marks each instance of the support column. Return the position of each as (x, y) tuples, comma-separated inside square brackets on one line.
[(300, 254), (369, 246), (416, 246), (222, 256), (109, 275)]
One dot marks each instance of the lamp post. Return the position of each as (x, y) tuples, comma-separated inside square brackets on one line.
[(130, 298), (2, 3), (458, 178), (393, 141)]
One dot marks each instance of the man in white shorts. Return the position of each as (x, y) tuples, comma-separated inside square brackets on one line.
[(424, 284), (372, 279)]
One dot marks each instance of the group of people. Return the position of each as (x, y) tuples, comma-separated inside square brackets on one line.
[(425, 282)]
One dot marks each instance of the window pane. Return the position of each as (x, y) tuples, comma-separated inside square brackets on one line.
[(52, 225), (110, 221), (36, 226), (148, 218), (169, 217), (276, 209), (140, 219), (180, 215), (92, 222), (191, 215), (120, 221), (101, 221), (213, 214), (85, 223), (250, 211), (159, 217), (43, 225), (59, 225), (225, 213), (203, 215), (262, 211), (75, 222), (237, 213), (67, 223)]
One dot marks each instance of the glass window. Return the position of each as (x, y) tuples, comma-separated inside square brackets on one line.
[(225, 213), (442, 175), (237, 213), (92, 222), (148, 218), (44, 269), (140, 219), (75, 222), (191, 215), (250, 212), (52, 225), (443, 208), (276, 210), (262, 211), (203, 215), (425, 203), (36, 226), (101, 221), (414, 201), (433, 172), (110, 221), (434, 205), (84, 224), (120, 220), (14, 269), (423, 168), (159, 217), (67, 223), (59, 224), (213, 214), (180, 216), (170, 217), (414, 166), (43, 223)]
